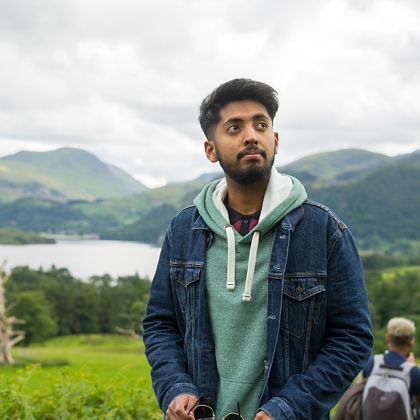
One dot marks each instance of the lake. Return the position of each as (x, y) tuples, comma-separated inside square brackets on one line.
[(85, 258)]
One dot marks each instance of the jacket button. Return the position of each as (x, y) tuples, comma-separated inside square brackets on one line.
[(299, 290), (212, 349), (209, 401)]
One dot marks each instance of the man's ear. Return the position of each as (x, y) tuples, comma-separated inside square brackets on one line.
[(276, 142), (210, 151)]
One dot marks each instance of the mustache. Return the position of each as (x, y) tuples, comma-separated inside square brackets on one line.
[(251, 150)]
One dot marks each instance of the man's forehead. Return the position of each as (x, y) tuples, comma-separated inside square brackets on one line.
[(241, 109)]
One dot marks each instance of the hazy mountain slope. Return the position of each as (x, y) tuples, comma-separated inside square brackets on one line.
[(365, 203), (34, 214), (61, 175), (330, 165), (383, 205), (379, 202), (129, 209), (99, 216)]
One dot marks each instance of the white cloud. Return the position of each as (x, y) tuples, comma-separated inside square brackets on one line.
[(124, 81), (151, 181)]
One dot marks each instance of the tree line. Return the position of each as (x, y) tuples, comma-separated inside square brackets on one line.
[(54, 303), (393, 286)]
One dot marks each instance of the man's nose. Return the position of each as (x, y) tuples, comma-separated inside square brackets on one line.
[(250, 135)]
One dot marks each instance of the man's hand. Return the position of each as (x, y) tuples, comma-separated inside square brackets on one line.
[(261, 415), (411, 358), (179, 408)]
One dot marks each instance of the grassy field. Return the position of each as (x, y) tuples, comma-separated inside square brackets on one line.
[(390, 273), (105, 356), (107, 374)]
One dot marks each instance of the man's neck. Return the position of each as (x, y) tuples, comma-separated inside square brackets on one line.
[(404, 351), (246, 199)]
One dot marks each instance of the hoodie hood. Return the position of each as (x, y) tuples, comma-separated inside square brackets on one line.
[(283, 194)]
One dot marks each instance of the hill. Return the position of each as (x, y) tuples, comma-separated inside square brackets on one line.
[(332, 166), (113, 218), (327, 167), (382, 205), (62, 175), (11, 236), (376, 196)]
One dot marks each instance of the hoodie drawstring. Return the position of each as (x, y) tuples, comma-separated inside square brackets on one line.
[(230, 280), (251, 266)]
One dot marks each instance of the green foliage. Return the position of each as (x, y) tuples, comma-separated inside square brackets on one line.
[(76, 396), (14, 236), (54, 302), (31, 214), (381, 207), (393, 292), (33, 307), (378, 260), (98, 342), (107, 376), (148, 229), (142, 217), (133, 298)]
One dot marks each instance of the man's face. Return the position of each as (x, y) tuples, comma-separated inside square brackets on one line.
[(244, 142)]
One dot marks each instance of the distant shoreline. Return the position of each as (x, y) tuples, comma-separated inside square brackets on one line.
[(73, 237)]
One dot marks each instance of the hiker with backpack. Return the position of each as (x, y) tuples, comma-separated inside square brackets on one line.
[(392, 389)]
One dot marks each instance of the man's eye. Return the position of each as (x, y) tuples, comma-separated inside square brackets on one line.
[(262, 125), (233, 128)]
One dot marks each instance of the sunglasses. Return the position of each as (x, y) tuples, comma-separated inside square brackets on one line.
[(205, 412)]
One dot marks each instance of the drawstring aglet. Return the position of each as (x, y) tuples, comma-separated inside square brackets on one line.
[(246, 297)]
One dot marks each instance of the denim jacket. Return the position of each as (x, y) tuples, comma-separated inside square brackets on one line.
[(319, 333)]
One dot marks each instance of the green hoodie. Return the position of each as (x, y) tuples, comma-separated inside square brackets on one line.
[(236, 268)]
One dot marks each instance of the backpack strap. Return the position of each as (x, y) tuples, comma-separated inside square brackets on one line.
[(402, 371)]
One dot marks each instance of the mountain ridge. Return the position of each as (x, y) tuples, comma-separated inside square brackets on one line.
[(375, 195), (63, 174)]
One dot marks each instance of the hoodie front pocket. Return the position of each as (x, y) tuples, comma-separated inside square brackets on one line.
[(302, 300)]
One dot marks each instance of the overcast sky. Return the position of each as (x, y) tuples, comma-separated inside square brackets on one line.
[(124, 79)]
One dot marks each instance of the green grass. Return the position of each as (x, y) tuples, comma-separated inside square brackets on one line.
[(12, 236), (83, 377), (104, 356), (390, 273)]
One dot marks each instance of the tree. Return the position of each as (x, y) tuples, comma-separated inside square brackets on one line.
[(8, 337), (132, 294), (35, 308)]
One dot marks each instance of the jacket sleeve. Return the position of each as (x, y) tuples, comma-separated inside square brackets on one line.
[(163, 335), (346, 342)]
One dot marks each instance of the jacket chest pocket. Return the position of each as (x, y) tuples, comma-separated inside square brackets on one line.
[(302, 300), (185, 282)]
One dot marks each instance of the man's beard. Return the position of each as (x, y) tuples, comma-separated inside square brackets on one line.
[(252, 174)]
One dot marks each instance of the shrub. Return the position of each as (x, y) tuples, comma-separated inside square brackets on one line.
[(76, 396)]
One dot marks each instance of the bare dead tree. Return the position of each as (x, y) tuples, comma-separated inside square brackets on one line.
[(128, 332), (8, 336)]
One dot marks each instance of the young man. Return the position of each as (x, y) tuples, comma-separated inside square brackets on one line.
[(259, 296), (400, 340)]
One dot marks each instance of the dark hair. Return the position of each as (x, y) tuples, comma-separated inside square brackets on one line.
[(400, 341), (232, 91)]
